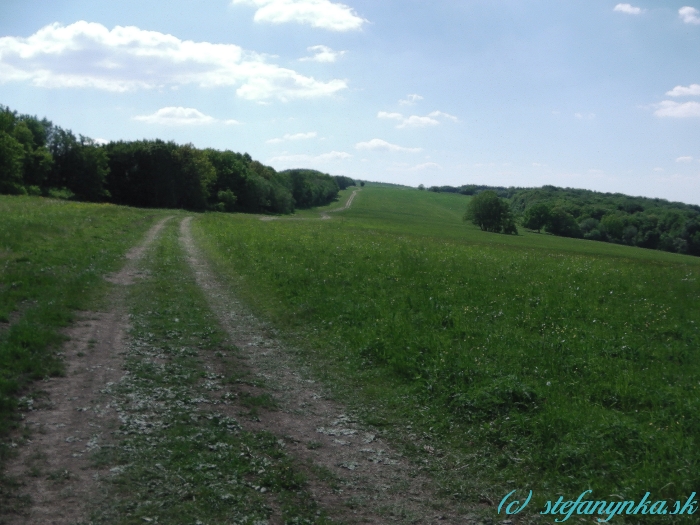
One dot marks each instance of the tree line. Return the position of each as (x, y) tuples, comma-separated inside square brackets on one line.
[(609, 217), (39, 158)]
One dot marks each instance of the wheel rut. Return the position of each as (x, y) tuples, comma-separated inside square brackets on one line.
[(373, 483), (70, 417)]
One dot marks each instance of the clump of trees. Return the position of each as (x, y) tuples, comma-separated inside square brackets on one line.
[(611, 217), (491, 213), (39, 158), (608, 217)]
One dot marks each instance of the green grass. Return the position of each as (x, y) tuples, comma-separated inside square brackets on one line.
[(53, 255), (547, 363), (179, 459)]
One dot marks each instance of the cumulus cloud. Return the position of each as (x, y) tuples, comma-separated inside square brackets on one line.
[(684, 159), (410, 100), (322, 54), (415, 121), (669, 108), (179, 116), (310, 159), (689, 15), (323, 14), (628, 9), (88, 55), (685, 91), (383, 145), (293, 136)]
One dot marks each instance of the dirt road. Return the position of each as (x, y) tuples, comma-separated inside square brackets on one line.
[(354, 473), (71, 417)]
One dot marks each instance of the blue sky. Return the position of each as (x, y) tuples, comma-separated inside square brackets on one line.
[(588, 94)]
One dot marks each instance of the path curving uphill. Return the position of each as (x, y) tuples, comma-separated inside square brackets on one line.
[(324, 215)]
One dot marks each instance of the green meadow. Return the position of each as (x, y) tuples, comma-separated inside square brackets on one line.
[(530, 362)]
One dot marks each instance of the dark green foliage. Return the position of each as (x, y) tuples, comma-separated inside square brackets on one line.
[(475, 189), (536, 217), (159, 174), (227, 201), (344, 182), (635, 221), (312, 188), (562, 223), (11, 162), (490, 213), (149, 173)]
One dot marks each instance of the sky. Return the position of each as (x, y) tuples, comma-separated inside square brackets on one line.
[(588, 94)]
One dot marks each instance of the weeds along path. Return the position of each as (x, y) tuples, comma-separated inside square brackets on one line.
[(355, 475), (70, 417), (324, 215)]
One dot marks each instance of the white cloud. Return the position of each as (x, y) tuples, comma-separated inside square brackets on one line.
[(629, 9), (323, 14), (425, 166), (584, 116), (689, 15), (172, 116), (683, 91), (415, 121), (410, 100), (669, 108), (310, 159), (322, 54), (383, 145), (684, 159), (101, 142), (88, 55), (293, 136), (443, 115)]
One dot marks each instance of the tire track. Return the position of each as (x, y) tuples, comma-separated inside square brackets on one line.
[(377, 485), (69, 417)]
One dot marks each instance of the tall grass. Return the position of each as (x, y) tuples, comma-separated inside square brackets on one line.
[(564, 365)]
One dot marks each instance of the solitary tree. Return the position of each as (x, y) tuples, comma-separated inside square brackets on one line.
[(536, 217), (490, 213)]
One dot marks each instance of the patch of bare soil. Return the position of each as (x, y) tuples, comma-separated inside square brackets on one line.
[(69, 417), (358, 478)]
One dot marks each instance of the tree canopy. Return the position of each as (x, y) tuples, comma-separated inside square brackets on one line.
[(490, 213), (39, 158)]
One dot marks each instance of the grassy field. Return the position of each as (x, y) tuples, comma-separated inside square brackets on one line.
[(537, 362), (53, 255)]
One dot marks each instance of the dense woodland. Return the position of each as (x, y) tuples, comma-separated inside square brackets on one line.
[(39, 158), (610, 217)]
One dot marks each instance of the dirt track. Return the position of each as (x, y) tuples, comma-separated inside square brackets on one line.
[(324, 215), (374, 484), (73, 417), (376, 481)]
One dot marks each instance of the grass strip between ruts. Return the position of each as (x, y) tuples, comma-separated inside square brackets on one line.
[(180, 456)]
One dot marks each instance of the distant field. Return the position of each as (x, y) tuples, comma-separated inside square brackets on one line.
[(549, 363), (53, 255)]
